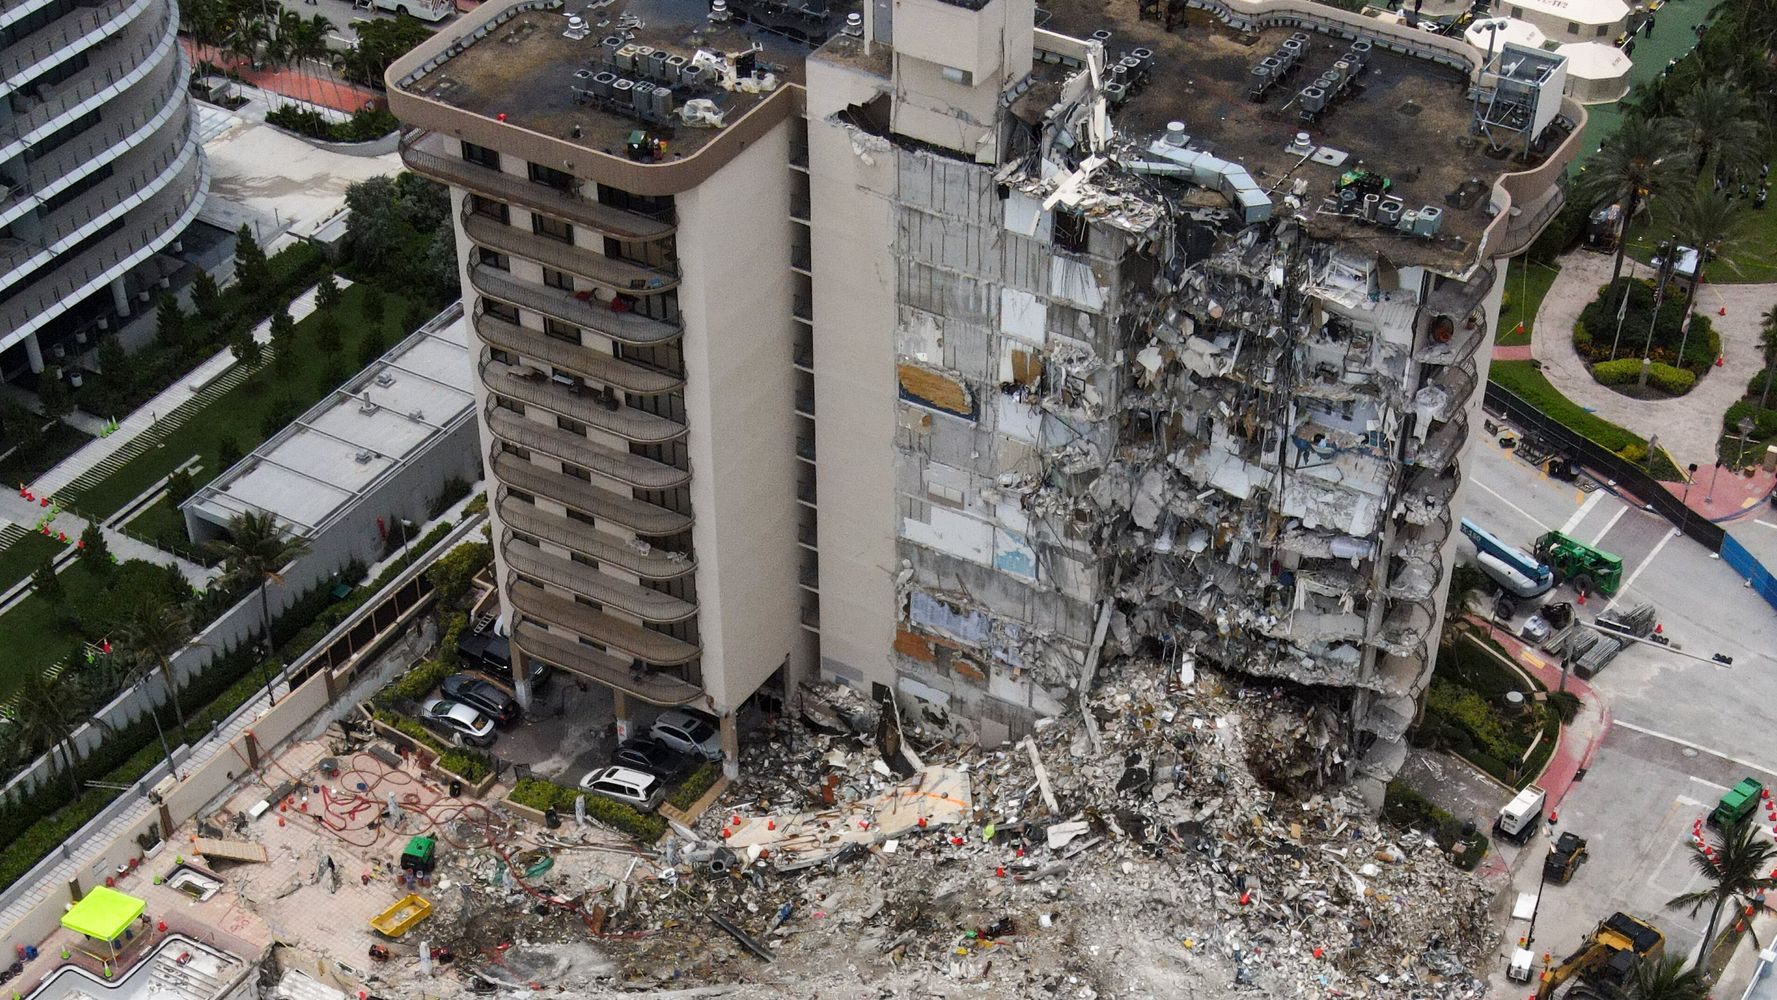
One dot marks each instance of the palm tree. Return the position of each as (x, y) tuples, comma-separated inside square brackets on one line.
[(311, 45), (153, 632), (1703, 222), (1767, 338), (254, 555), (1716, 119), (1634, 164), (1754, 23), (1666, 978), (1737, 867), (46, 708)]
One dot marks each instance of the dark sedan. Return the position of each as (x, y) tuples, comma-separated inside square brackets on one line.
[(652, 756), (477, 693)]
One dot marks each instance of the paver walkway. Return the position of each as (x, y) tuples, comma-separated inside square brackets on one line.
[(314, 88), (1688, 426)]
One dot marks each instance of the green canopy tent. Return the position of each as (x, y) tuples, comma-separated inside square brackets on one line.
[(105, 914)]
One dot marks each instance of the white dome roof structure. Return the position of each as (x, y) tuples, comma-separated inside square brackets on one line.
[(1493, 32), (1596, 72)]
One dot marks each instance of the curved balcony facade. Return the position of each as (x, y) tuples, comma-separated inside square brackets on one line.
[(577, 449), (533, 562), (613, 273), (579, 402), (586, 362), (650, 562), (576, 657), (623, 638), (572, 308), (638, 516)]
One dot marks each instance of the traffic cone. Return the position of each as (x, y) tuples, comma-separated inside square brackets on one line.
[(1720, 360), (1723, 311), (1582, 601), (1519, 328)]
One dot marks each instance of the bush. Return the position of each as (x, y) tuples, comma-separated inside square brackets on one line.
[(454, 570), (1670, 380), (1764, 422), (180, 486), (1599, 321), (407, 727), (693, 787), (544, 795), (449, 636), (471, 766), (1619, 372), (416, 684), (365, 125)]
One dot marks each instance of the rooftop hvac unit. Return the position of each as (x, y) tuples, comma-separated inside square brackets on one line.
[(1260, 80), (1409, 221), (626, 57), (609, 46), (385, 379), (1362, 46), (1287, 57), (1431, 217), (1295, 47), (1145, 56), (620, 90), (1119, 74), (1357, 58), (691, 77), (576, 28), (1371, 203), (642, 53), (663, 102), (417, 416), (1175, 134), (657, 64), (1299, 36), (601, 83), (1116, 93), (1313, 100), (364, 457), (1389, 212), (1327, 82), (675, 65), (1343, 70)]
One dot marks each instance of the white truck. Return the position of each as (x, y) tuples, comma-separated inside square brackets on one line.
[(425, 10), (1518, 818)]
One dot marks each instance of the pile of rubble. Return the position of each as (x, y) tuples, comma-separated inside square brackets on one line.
[(1169, 843)]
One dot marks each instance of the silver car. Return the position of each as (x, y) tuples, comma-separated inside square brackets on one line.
[(465, 724), (687, 733)]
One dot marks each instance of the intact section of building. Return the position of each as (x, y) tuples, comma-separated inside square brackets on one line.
[(1138, 329), (624, 195), (100, 166)]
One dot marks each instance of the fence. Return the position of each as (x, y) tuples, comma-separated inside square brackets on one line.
[(1745, 564), (1624, 474)]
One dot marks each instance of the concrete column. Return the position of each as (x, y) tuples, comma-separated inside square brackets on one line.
[(521, 679), (34, 353), (730, 747), (120, 297), (624, 711)]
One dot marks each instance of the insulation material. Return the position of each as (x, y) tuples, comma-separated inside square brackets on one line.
[(952, 533), (1024, 316), (920, 337), (935, 615), (936, 389)]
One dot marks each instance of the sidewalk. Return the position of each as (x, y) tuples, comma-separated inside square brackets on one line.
[(320, 90), (24, 513), (1688, 426), (1579, 738)]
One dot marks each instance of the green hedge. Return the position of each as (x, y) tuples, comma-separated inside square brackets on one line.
[(692, 788), (1406, 808), (468, 763), (365, 124), (1525, 380), (543, 795), (1661, 376), (1764, 422), (416, 683)]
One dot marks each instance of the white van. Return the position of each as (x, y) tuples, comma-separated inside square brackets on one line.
[(425, 10)]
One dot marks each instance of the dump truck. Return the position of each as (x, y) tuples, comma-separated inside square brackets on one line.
[(1590, 570), (1517, 819), (1607, 960), (1564, 858), (1736, 805)]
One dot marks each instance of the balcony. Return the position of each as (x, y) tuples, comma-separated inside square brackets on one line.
[(805, 449), (145, 46), (1457, 383), (611, 272), (609, 591), (801, 258), (55, 42), (639, 472), (426, 153), (569, 307), (533, 388), (602, 505), (588, 362), (1426, 499), (654, 564), (1441, 445), (808, 538), (810, 579), (805, 404), (615, 634), (803, 309), (603, 668), (1406, 627)]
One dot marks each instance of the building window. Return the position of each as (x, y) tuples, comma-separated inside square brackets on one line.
[(556, 279), (1072, 232), (571, 426), (659, 207), (561, 331), (503, 310), (1603, 29), (555, 229), (552, 177), (1573, 27), (490, 208), (481, 155), (488, 258), (663, 307)]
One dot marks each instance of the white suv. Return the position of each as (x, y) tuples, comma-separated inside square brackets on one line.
[(625, 785)]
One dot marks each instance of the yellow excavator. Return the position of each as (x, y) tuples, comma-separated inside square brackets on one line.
[(1607, 960)]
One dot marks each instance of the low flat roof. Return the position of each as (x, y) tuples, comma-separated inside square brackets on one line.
[(315, 469)]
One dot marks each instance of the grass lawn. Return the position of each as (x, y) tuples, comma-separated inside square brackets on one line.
[(24, 465), (21, 558), (39, 632), (1526, 380), (1526, 284), (163, 525), (242, 413), (1749, 259)]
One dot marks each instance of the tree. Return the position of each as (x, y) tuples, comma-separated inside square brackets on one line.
[(438, 269), (327, 333), (1703, 222), (1767, 338), (1716, 119), (327, 293), (423, 204), (254, 555), (380, 43), (45, 583), (94, 552), (373, 345), (251, 272), (206, 298), (1737, 867), (332, 376), (373, 229), (154, 630), (53, 395), (372, 306), (452, 574), (20, 426), (1634, 164), (169, 322), (1666, 978), (180, 487), (47, 709), (228, 452), (283, 340), (246, 348)]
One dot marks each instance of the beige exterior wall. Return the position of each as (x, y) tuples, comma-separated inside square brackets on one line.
[(734, 248), (852, 196)]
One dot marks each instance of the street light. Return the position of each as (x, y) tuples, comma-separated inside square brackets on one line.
[(1691, 469), (1746, 425)]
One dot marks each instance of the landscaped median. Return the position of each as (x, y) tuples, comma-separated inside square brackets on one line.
[(533, 798)]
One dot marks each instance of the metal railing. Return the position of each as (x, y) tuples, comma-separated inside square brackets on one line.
[(110, 79), (69, 30)]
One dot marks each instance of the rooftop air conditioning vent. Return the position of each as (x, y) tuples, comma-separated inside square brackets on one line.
[(385, 379), (417, 416), (364, 457), (366, 406), (576, 28)]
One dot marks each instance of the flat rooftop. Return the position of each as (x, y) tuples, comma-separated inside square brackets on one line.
[(316, 468), (527, 70), (1407, 120)]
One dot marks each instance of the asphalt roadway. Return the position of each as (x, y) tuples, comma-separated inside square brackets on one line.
[(1682, 731)]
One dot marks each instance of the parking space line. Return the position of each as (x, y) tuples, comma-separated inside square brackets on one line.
[(1677, 741), (1760, 520), (1711, 784), (1501, 498), (1573, 521), (1645, 563), (1610, 524)]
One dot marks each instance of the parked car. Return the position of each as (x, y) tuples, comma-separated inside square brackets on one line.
[(652, 756), (478, 693), (464, 724), (687, 733), (626, 785)]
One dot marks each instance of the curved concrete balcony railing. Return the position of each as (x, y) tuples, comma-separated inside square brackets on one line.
[(1458, 382), (583, 405), (587, 362), (145, 231), (1426, 500), (583, 262), (569, 307), (578, 658), (166, 121), (429, 154), (1417, 571), (1519, 202), (639, 472), (1405, 628), (98, 208), (655, 564), (1388, 716), (608, 591), (115, 69), (64, 37), (638, 516), (1442, 444), (622, 637)]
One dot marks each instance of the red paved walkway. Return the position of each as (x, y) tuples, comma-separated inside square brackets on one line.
[(1579, 738), (313, 88), (1727, 495), (1519, 352)]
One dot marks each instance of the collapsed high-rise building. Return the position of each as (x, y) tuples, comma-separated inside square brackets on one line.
[(1010, 338)]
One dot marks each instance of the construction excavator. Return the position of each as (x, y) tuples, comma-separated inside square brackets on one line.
[(1606, 962)]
